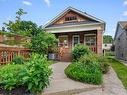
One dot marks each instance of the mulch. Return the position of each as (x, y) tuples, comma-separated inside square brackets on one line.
[(17, 91)]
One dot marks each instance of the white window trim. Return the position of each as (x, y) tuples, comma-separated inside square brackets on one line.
[(73, 39), (67, 40), (85, 35)]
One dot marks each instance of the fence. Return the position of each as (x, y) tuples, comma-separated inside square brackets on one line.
[(8, 53)]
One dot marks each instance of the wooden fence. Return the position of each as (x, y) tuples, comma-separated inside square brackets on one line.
[(8, 53)]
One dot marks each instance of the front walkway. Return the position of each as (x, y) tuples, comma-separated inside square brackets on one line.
[(61, 85)]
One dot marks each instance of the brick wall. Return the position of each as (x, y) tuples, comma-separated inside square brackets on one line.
[(99, 42), (67, 52)]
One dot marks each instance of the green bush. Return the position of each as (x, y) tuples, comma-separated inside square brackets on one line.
[(36, 74), (86, 70), (18, 60), (10, 76), (103, 62), (80, 50)]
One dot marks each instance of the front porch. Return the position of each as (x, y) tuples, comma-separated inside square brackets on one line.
[(68, 40)]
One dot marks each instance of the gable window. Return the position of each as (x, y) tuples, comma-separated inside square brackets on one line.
[(76, 40), (71, 18), (90, 40), (63, 41)]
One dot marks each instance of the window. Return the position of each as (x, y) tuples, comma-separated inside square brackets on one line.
[(63, 41), (76, 40), (90, 40), (70, 18)]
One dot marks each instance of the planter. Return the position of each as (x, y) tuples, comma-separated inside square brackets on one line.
[(52, 56)]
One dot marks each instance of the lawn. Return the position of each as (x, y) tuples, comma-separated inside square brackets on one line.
[(120, 69)]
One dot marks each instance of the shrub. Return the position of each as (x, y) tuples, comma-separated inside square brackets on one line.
[(36, 74), (80, 50), (10, 76), (103, 62), (86, 70), (18, 60)]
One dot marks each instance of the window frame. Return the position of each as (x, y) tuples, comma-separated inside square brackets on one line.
[(67, 41), (90, 35), (70, 18), (73, 39)]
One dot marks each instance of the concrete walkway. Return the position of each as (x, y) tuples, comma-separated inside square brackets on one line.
[(61, 85), (111, 86)]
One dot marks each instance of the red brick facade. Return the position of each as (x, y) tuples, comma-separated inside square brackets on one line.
[(66, 56)]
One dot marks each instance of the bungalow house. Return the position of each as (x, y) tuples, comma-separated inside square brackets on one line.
[(120, 40), (73, 26)]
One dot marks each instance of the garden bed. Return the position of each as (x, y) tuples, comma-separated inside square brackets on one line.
[(17, 91)]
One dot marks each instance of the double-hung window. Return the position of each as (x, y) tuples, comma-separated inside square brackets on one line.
[(90, 39)]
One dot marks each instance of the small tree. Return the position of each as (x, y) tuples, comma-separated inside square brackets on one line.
[(21, 27), (41, 43), (107, 39)]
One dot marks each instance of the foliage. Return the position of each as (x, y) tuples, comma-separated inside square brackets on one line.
[(80, 50), (109, 53), (41, 43), (104, 64), (36, 74), (18, 60), (21, 27), (10, 76), (33, 75), (107, 39), (120, 69), (87, 72)]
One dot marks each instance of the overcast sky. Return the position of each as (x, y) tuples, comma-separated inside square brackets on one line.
[(42, 11)]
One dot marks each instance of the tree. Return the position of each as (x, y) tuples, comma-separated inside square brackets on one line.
[(107, 39), (20, 13), (42, 42), (21, 27)]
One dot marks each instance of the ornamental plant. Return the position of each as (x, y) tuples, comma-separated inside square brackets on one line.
[(80, 50), (37, 73)]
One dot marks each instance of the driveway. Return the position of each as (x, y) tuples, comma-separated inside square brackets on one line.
[(61, 85)]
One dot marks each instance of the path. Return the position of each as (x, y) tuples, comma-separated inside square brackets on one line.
[(61, 85)]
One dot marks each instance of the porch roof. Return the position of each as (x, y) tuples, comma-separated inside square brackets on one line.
[(73, 23)]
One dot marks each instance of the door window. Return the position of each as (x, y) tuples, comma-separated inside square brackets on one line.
[(76, 40)]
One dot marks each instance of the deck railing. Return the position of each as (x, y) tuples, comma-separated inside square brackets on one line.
[(8, 53), (93, 48)]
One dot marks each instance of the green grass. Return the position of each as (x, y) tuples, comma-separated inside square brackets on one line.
[(120, 69)]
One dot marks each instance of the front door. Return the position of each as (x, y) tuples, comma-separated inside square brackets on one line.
[(75, 40), (64, 49)]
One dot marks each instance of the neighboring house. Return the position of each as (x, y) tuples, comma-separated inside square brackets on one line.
[(107, 46), (121, 40), (12, 40), (72, 27)]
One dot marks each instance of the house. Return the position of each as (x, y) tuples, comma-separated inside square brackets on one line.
[(12, 40), (120, 40), (73, 26), (107, 46)]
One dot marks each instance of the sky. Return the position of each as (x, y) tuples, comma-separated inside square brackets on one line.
[(42, 11)]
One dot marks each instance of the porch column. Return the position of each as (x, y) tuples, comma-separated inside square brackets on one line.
[(99, 42)]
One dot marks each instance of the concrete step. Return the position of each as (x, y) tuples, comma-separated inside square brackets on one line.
[(68, 87)]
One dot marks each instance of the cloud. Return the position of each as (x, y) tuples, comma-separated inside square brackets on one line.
[(125, 13), (27, 3), (125, 3), (47, 2)]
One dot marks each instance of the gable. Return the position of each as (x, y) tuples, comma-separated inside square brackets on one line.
[(79, 18), (121, 27), (72, 16)]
